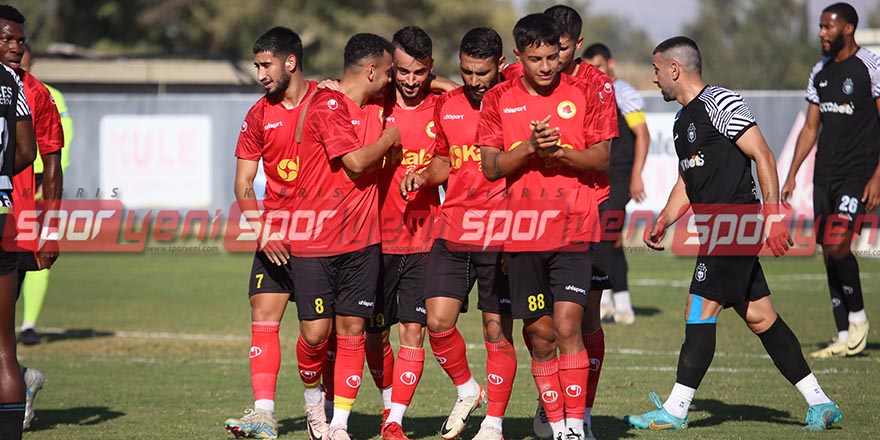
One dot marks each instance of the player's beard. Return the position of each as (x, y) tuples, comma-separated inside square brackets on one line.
[(280, 86), (408, 93), (834, 47)]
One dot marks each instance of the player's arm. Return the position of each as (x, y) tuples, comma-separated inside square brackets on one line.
[(753, 145), (871, 195), (677, 204), (359, 160), (245, 173), (805, 141), (594, 159), (640, 156), (440, 84), (433, 175), (25, 144)]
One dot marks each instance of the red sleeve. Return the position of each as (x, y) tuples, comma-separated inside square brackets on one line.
[(330, 120), (489, 130), (441, 143), (601, 124), (47, 122), (250, 139), (512, 70)]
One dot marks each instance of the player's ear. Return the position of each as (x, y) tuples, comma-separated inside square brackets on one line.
[(290, 63), (516, 55), (674, 70), (849, 29), (610, 63), (501, 61), (580, 42)]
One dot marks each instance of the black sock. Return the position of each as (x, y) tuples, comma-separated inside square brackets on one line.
[(696, 354), (783, 347), (847, 269), (619, 269), (838, 309), (11, 419)]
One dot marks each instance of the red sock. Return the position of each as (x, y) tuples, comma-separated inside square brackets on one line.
[(407, 373), (451, 353), (329, 364), (595, 343), (265, 357), (527, 339), (501, 370), (573, 372), (546, 376), (349, 370), (310, 359), (381, 365)]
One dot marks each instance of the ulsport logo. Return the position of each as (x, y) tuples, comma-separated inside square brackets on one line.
[(255, 351), (835, 302), (353, 381), (448, 117), (440, 360), (510, 110), (573, 288), (595, 364), (408, 378), (365, 303), (549, 396), (573, 390), (823, 83), (308, 375), (272, 125), (495, 379)]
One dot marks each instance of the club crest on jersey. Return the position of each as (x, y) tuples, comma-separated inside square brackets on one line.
[(608, 88), (243, 126), (848, 86), (332, 104), (429, 130), (288, 169), (701, 273), (692, 133), (566, 110)]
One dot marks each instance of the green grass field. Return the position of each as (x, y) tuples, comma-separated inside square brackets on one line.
[(155, 346)]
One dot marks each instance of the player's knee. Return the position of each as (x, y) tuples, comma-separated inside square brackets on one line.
[(567, 330), (493, 332), (835, 251), (439, 324), (411, 334), (350, 325)]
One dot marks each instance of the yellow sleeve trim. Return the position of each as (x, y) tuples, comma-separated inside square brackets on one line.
[(635, 118)]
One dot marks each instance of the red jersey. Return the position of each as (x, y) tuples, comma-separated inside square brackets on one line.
[(335, 211), (267, 133), (550, 205), (467, 216), (406, 226), (50, 138), (602, 85)]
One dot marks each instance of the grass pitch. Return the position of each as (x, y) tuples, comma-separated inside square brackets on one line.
[(155, 346)]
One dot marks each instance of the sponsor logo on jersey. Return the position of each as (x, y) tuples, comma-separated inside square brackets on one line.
[(450, 117), (832, 107), (701, 272), (848, 86), (255, 352), (429, 130), (463, 153), (573, 288), (510, 110), (695, 161), (566, 110), (353, 381), (288, 169), (272, 125)]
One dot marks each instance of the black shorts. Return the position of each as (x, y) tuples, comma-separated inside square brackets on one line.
[(268, 277), (602, 260), (26, 261), (453, 274), (338, 285), (619, 196), (838, 203), (399, 291), (537, 279), (729, 280)]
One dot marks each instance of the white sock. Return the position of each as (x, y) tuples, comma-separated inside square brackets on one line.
[(386, 397), (313, 396), (812, 392), (265, 404), (340, 417), (468, 389), (679, 400), (606, 299), (588, 417), (859, 317), (494, 422), (622, 301), (576, 424), (27, 325), (558, 427), (842, 336), (396, 414)]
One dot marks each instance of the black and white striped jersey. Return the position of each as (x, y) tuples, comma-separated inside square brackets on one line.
[(846, 93), (705, 132), (13, 108)]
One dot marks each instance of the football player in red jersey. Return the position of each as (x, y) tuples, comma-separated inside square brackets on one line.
[(265, 135)]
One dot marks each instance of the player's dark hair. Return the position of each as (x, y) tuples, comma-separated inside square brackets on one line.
[(414, 41), (8, 12), (684, 50), (481, 43), (597, 49), (844, 11), (365, 46), (281, 42), (568, 20), (535, 30)]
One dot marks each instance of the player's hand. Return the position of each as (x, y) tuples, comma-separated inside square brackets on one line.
[(786, 192), (544, 137), (331, 84), (394, 134), (776, 234), (276, 252), (871, 196), (654, 236), (637, 188), (412, 182), (47, 254)]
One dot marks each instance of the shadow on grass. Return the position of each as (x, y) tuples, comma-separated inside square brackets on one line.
[(74, 334), (646, 311), (82, 416), (720, 412)]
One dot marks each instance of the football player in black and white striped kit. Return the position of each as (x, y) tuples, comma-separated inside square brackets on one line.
[(844, 100), (716, 139)]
